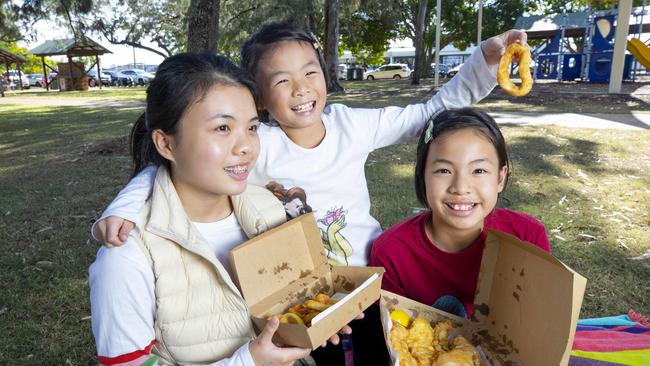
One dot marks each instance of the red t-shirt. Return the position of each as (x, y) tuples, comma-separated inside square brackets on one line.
[(417, 269)]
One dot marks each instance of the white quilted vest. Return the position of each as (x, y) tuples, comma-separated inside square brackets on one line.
[(201, 316)]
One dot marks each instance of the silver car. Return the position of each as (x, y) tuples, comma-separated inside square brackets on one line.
[(140, 77)]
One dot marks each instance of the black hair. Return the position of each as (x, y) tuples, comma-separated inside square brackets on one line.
[(181, 81), (452, 120), (264, 40)]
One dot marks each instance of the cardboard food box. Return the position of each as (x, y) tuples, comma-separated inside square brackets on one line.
[(525, 309), (287, 265)]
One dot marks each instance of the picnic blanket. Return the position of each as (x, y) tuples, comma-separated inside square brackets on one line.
[(616, 340)]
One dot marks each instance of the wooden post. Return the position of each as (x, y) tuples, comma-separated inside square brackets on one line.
[(99, 74), (45, 74), (20, 79), (2, 86), (7, 70)]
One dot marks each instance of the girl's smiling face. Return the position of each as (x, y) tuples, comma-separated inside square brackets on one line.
[(463, 180), (293, 90)]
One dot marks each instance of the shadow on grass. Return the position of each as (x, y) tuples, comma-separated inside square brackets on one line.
[(60, 132)]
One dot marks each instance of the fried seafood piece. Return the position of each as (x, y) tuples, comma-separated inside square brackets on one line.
[(325, 299), (398, 335), (461, 354), (440, 335), (419, 340)]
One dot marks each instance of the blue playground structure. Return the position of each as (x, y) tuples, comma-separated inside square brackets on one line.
[(596, 31)]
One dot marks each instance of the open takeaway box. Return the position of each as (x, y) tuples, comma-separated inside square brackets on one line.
[(525, 309), (285, 266)]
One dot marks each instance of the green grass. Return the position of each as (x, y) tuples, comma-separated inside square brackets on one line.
[(110, 93), (60, 166)]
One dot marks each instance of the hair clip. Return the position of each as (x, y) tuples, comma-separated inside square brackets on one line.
[(428, 133), (316, 44)]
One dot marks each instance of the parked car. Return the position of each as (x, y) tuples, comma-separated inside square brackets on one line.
[(342, 71), (119, 79), (453, 71), (93, 80), (36, 80), (442, 70), (390, 71), (140, 77), (13, 76)]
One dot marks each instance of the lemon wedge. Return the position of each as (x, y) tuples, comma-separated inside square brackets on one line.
[(291, 318), (400, 317)]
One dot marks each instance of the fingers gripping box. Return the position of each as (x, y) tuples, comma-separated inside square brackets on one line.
[(525, 310), (287, 265)]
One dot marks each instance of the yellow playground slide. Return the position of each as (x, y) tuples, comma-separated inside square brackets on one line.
[(640, 51)]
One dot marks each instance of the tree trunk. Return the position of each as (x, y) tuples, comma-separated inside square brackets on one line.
[(419, 44), (203, 25), (332, 45)]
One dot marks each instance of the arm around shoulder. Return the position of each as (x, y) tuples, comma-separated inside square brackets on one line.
[(122, 300)]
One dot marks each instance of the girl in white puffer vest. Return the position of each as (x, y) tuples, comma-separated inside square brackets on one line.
[(169, 291)]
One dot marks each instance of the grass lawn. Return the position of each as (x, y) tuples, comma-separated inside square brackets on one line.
[(112, 93), (60, 166)]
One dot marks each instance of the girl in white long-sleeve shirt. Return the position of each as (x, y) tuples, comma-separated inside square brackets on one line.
[(321, 150)]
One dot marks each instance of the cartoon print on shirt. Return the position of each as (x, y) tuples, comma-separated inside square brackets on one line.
[(337, 247), (294, 199)]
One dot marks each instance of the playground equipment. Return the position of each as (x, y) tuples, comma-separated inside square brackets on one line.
[(640, 51), (593, 34)]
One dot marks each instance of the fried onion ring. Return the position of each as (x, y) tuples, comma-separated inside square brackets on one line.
[(503, 75)]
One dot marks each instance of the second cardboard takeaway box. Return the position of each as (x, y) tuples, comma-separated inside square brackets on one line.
[(525, 311), (286, 265)]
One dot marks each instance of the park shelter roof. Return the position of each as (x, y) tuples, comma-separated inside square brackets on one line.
[(9, 58), (81, 46)]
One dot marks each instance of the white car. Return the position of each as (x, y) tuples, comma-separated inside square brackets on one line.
[(13, 77), (390, 71)]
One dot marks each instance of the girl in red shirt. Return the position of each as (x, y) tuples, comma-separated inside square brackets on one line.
[(461, 168)]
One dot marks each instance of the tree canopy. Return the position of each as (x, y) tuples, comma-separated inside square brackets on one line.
[(366, 26)]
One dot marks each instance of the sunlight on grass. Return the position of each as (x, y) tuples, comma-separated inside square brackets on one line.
[(402, 170)]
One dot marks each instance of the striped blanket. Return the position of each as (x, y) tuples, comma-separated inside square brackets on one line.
[(617, 340)]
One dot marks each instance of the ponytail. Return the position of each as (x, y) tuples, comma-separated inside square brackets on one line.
[(141, 146)]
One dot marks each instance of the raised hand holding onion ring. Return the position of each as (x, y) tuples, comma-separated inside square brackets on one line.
[(503, 75)]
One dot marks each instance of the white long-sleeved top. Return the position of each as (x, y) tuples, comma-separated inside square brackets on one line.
[(329, 179)]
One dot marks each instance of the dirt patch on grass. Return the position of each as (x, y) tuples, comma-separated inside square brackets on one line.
[(545, 97), (118, 146), (576, 97)]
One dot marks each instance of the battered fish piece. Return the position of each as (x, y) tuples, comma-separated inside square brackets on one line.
[(398, 335), (419, 340), (462, 354), (441, 335)]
